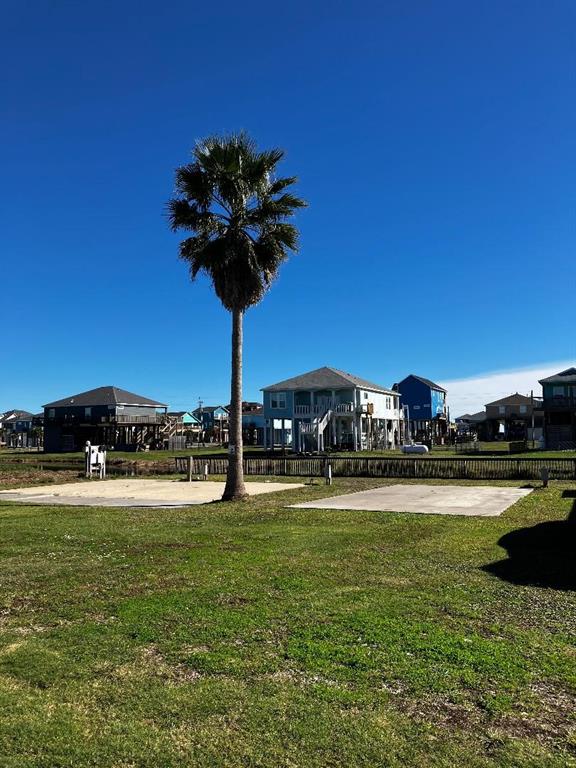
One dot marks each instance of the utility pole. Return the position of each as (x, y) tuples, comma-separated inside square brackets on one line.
[(201, 409), (532, 408)]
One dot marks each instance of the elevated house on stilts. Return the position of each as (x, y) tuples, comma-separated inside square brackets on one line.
[(328, 408), (105, 416)]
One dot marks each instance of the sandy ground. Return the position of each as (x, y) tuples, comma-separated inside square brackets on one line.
[(134, 492), (427, 499)]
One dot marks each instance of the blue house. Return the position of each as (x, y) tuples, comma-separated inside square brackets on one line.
[(214, 421), (181, 427), (424, 404)]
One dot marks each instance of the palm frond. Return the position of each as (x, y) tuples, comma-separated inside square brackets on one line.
[(278, 185), (237, 210), (194, 184)]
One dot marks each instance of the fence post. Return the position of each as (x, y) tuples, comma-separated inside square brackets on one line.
[(328, 474), (190, 469), (206, 471)]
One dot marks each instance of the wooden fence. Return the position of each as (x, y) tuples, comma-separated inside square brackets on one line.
[(492, 468)]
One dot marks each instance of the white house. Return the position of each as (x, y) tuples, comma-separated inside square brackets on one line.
[(330, 408)]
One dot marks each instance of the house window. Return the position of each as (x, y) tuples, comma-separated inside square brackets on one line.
[(278, 400), (501, 410), (523, 409), (365, 395), (557, 391), (51, 413), (87, 413)]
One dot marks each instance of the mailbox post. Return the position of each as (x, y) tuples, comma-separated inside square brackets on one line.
[(95, 456)]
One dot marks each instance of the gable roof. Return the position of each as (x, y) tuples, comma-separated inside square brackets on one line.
[(105, 396), (422, 380), (325, 378), (17, 416), (564, 377), (187, 417), (515, 399), (480, 416), (208, 409)]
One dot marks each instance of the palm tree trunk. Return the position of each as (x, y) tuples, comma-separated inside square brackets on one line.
[(235, 488)]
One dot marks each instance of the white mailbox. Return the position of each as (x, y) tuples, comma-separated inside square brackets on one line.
[(95, 460)]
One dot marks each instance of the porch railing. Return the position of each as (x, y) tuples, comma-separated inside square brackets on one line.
[(126, 419), (560, 402), (319, 409)]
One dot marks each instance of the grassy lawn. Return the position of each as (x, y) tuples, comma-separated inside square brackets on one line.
[(488, 450), (255, 635), (78, 456)]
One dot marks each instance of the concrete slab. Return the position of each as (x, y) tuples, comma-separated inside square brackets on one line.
[(133, 492), (483, 500)]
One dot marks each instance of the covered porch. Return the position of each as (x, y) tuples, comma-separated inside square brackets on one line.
[(342, 429)]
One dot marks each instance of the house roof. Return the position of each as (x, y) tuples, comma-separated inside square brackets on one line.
[(480, 416), (208, 409), (515, 399), (185, 416), (105, 396), (17, 416), (254, 411), (325, 378), (427, 382), (564, 377)]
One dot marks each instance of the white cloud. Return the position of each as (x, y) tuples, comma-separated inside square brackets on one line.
[(471, 395)]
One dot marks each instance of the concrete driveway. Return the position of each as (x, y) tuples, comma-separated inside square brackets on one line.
[(134, 492), (483, 500)]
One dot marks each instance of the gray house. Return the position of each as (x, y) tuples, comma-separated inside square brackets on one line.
[(16, 428), (106, 416), (331, 408)]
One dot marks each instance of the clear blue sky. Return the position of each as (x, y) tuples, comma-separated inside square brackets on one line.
[(434, 141)]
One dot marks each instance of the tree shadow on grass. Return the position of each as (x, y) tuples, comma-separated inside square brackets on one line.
[(543, 555)]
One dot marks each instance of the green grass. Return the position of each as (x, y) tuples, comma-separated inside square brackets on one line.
[(488, 450), (256, 635), (38, 457)]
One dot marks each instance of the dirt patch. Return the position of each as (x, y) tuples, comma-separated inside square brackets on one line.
[(24, 476), (150, 662), (232, 600), (549, 721)]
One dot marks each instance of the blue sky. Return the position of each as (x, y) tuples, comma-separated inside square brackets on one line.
[(434, 142)]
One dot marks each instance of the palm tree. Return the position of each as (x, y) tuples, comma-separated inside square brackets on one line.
[(236, 208)]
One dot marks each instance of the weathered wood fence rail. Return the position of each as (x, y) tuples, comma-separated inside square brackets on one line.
[(425, 468)]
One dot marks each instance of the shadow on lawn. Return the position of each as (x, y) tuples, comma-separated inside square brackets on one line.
[(541, 556)]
